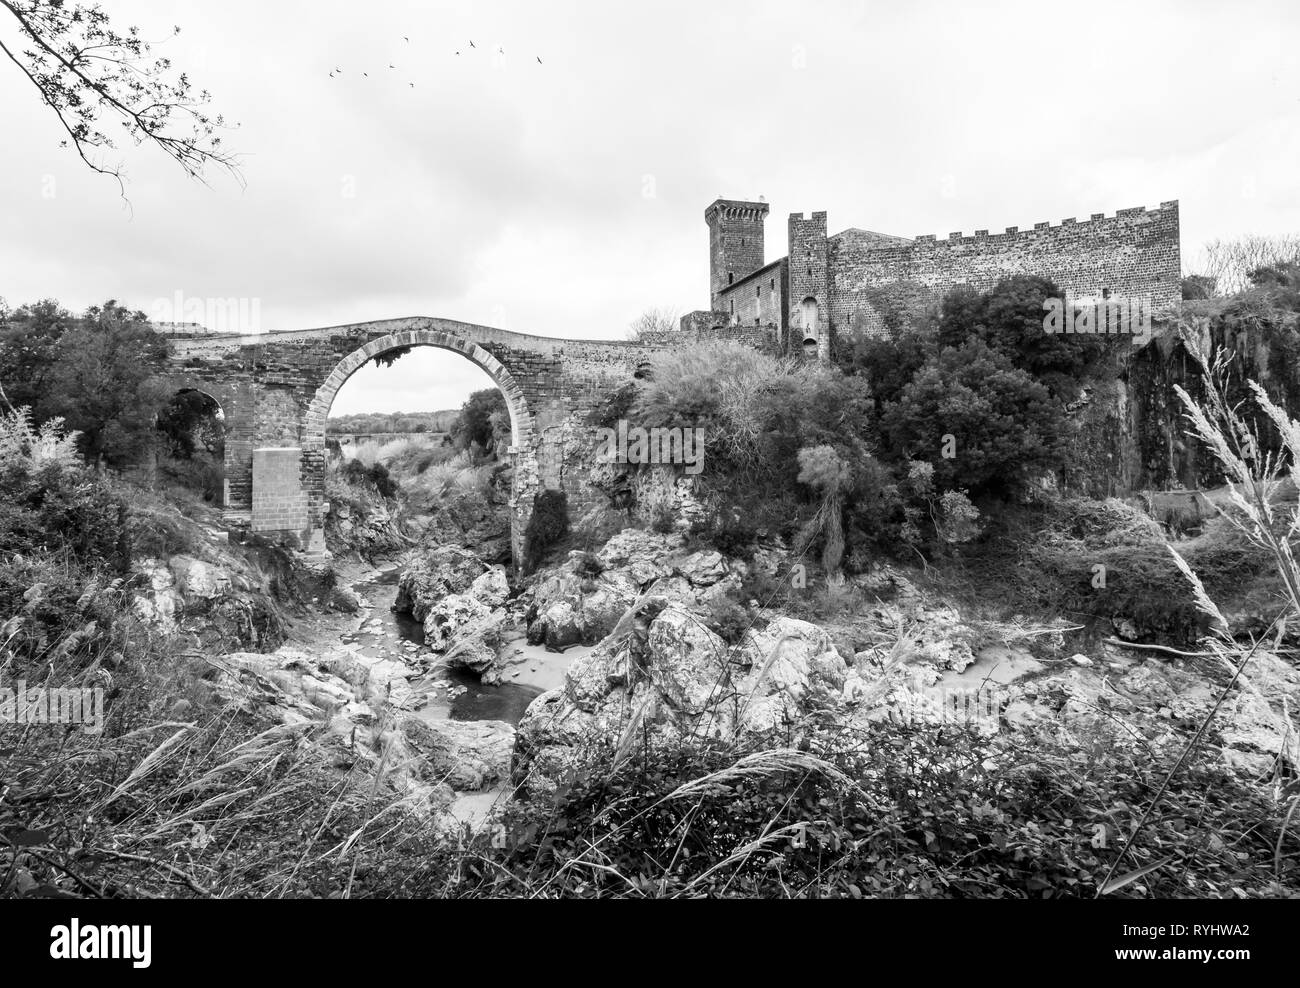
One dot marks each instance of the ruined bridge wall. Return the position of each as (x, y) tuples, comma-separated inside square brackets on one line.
[(276, 388)]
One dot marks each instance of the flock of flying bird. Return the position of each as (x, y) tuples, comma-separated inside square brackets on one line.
[(500, 51)]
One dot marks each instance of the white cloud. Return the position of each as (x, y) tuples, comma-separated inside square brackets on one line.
[(519, 189)]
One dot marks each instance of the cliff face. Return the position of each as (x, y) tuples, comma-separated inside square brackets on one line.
[(1131, 435)]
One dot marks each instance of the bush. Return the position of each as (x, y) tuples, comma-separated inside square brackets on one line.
[(49, 501), (1006, 426), (376, 475), (1009, 318), (589, 565), (727, 619), (727, 531), (481, 420), (894, 811), (614, 408)]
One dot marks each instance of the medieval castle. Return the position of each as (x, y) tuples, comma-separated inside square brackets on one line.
[(849, 282)]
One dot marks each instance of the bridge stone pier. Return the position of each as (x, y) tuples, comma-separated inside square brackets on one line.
[(276, 389)]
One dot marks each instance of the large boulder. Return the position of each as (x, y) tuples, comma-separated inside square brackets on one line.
[(216, 601), (433, 575), (674, 676), (570, 608), (449, 616), (492, 588), (704, 568), (643, 555), (471, 754)]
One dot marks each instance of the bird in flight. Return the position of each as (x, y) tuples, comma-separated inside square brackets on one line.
[(366, 74), (406, 39), (391, 65), (501, 51), (539, 59), (472, 45)]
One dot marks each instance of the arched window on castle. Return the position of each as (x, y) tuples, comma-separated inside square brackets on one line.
[(809, 312), (731, 278)]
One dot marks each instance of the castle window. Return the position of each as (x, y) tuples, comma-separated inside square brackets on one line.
[(1105, 293), (758, 291), (773, 284), (733, 306), (731, 278), (810, 318)]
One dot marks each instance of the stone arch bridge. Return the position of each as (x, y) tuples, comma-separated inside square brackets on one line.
[(276, 390)]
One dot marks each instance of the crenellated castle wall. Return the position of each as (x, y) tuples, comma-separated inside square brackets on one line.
[(1133, 253)]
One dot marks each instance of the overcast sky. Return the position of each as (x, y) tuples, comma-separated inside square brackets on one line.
[(564, 198)]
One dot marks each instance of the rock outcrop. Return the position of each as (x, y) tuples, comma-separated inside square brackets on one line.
[(432, 575), (671, 675)]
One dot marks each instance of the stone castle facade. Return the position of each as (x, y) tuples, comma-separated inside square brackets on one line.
[(847, 283)]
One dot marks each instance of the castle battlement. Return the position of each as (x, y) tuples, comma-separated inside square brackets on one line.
[(1070, 221), (827, 285)]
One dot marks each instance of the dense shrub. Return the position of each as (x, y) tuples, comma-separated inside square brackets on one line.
[(483, 420), (613, 408), (727, 619), (888, 363), (376, 475), (1009, 318), (1006, 426), (900, 811), (589, 565)]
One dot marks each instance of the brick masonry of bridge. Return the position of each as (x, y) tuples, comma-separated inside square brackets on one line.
[(276, 390)]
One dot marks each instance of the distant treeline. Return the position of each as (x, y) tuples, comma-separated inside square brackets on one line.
[(365, 423)]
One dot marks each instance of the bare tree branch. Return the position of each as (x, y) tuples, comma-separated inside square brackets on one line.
[(84, 68)]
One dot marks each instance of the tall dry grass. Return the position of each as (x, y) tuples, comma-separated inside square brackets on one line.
[(1255, 476)]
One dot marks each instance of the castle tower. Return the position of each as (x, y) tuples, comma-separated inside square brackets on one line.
[(808, 315), (735, 242)]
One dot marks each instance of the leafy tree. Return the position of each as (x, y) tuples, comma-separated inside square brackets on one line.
[(86, 69), (189, 422), (1005, 426), (1197, 287), (29, 348), (1009, 318), (104, 383), (888, 363), (476, 425)]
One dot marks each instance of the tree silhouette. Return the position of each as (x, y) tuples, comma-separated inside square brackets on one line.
[(86, 70)]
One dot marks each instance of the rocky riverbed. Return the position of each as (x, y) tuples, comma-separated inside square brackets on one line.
[(466, 686)]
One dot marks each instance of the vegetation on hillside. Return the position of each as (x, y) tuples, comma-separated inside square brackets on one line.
[(383, 423)]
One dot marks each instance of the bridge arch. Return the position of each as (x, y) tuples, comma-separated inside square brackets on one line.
[(521, 419), (314, 420)]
